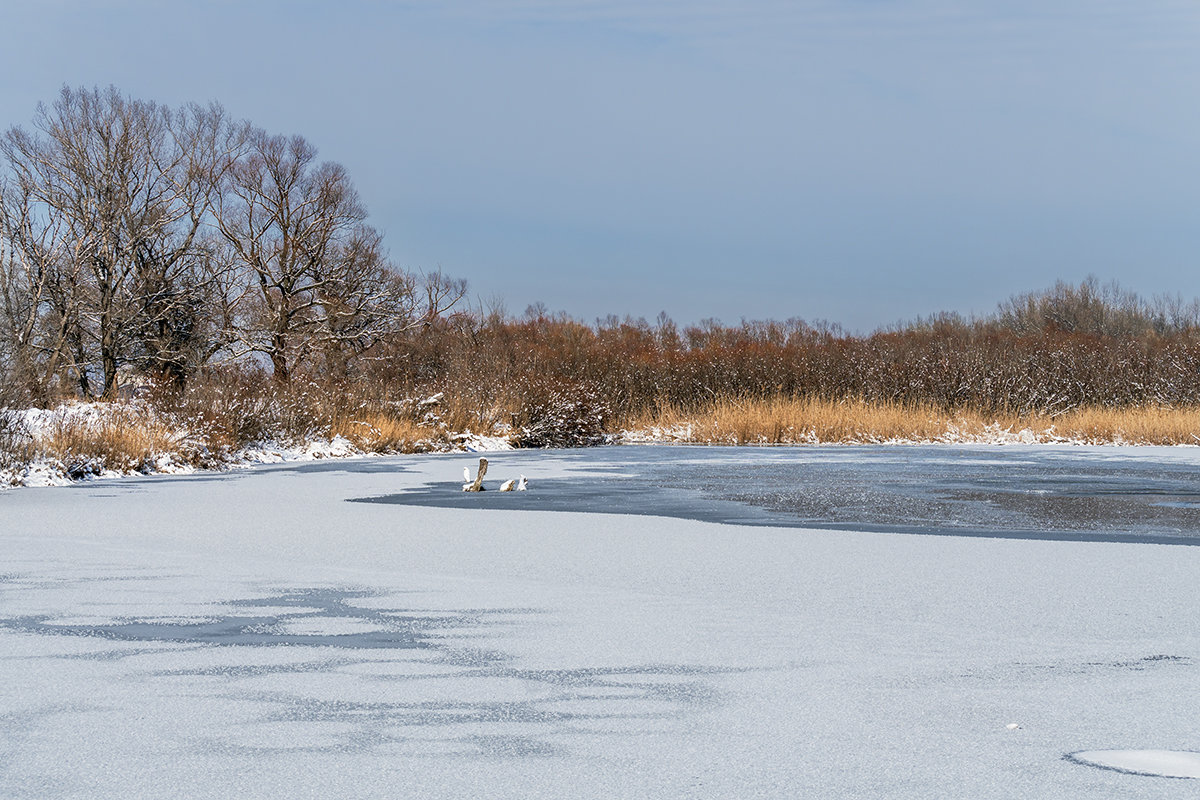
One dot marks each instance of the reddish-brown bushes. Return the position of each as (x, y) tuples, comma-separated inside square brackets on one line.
[(548, 380), (489, 367)]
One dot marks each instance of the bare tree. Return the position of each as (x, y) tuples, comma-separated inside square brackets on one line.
[(136, 235), (318, 276), (442, 293), (130, 183), (30, 257), (182, 283), (363, 300)]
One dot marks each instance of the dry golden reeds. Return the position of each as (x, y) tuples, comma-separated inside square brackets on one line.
[(1136, 425), (806, 420), (117, 437), (382, 433)]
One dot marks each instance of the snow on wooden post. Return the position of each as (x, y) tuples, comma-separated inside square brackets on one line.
[(477, 486)]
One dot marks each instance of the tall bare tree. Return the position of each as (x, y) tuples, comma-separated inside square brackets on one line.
[(41, 293), (130, 182), (318, 278), (135, 235)]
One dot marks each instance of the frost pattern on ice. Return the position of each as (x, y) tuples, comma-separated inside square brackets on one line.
[(336, 670)]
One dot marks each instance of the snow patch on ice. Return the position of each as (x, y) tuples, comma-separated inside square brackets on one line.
[(276, 452), (477, 442), (327, 626), (1153, 763)]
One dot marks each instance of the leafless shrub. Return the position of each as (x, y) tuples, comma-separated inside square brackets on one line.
[(561, 416), (15, 441), (235, 408)]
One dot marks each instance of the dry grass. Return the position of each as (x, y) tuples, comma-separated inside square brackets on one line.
[(118, 437), (1141, 425), (130, 437), (88, 439), (785, 420), (235, 410), (383, 433)]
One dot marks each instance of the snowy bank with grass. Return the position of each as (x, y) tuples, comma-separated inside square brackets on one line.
[(226, 429), (80, 441)]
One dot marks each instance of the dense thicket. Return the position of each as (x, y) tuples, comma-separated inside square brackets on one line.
[(1048, 351), (178, 247)]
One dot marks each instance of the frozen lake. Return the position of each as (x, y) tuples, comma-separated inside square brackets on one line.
[(644, 622), (1045, 493)]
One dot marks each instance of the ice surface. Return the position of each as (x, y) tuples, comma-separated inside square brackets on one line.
[(1099, 494), (252, 634)]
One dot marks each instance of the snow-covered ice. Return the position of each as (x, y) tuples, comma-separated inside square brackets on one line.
[(252, 634)]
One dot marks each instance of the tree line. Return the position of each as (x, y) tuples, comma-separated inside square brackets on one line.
[(1050, 351), (184, 248), (137, 237)]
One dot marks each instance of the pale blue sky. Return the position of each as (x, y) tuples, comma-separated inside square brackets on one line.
[(862, 161)]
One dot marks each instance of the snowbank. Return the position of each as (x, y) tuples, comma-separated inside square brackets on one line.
[(26, 435)]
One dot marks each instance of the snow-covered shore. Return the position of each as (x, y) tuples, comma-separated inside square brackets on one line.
[(185, 451)]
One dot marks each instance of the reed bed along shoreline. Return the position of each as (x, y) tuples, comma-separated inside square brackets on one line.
[(800, 421), (83, 440)]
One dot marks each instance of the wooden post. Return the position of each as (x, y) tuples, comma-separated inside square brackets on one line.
[(477, 486)]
